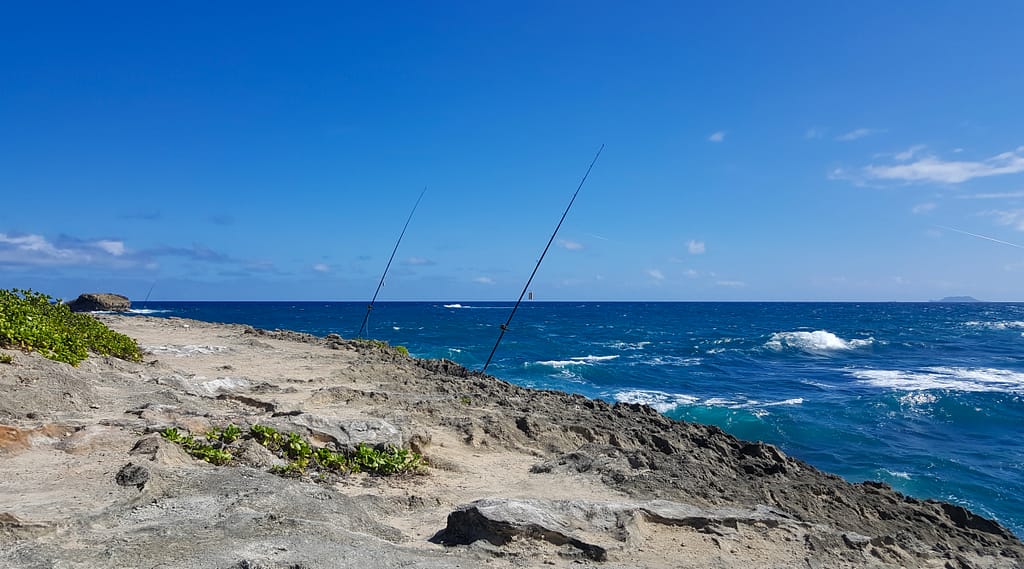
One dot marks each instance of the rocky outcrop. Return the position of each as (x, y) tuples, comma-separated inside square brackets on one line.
[(517, 477), (100, 301)]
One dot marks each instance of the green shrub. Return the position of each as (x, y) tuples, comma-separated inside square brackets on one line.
[(380, 344), (32, 321), (6, 359), (302, 457)]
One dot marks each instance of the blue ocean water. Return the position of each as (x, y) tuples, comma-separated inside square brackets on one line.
[(924, 396)]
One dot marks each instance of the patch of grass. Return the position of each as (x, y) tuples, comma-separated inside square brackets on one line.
[(465, 400), (6, 359), (33, 321), (302, 457)]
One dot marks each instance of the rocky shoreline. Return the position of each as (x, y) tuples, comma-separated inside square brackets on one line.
[(517, 477)]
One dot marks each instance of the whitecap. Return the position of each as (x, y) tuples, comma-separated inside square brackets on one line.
[(659, 400), (668, 361), (579, 360), (146, 311), (815, 342), (456, 305), (999, 325), (945, 378), (628, 346)]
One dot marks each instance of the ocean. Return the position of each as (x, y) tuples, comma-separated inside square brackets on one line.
[(926, 397)]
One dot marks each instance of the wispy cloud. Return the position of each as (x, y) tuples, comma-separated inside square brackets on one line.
[(656, 274), (1013, 217), (570, 245), (717, 136), (993, 196), (695, 247), (484, 280), (321, 268), (923, 208), (909, 153), (857, 134), (932, 169), (36, 250)]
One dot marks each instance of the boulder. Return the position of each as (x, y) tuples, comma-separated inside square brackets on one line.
[(96, 301)]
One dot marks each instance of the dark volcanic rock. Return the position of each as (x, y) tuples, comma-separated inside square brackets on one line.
[(93, 301)]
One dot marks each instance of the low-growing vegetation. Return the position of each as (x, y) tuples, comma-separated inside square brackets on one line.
[(216, 445), (33, 321), (6, 359), (384, 345)]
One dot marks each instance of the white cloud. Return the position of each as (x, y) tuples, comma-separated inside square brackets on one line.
[(36, 250), (484, 280), (717, 136), (656, 274), (932, 169), (570, 245), (692, 273), (115, 248), (993, 196), (857, 134), (1014, 217), (695, 247), (321, 268), (813, 133), (909, 153), (923, 208)]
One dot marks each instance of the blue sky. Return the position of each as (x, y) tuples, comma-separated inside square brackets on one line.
[(755, 151)]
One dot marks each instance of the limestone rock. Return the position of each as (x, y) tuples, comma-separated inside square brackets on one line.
[(94, 301)]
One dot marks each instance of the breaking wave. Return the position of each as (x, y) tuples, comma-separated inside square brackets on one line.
[(944, 378), (580, 360), (818, 341)]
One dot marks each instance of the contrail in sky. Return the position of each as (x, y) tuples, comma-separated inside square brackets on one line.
[(981, 236)]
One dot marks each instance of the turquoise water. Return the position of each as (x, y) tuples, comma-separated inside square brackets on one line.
[(925, 396)]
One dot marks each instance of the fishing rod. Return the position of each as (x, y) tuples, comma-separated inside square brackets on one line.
[(504, 327), (369, 307)]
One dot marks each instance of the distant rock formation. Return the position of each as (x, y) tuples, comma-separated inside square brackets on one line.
[(957, 299), (93, 301)]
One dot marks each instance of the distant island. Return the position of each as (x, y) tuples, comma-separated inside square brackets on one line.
[(957, 299)]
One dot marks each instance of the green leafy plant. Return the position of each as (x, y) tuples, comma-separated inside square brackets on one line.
[(384, 346), (227, 435), (302, 457), (33, 321), (6, 359), (203, 451)]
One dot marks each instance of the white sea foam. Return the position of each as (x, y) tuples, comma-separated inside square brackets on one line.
[(667, 361), (628, 346), (665, 402), (580, 360), (146, 311), (817, 341), (945, 378), (659, 400), (184, 351), (793, 401), (898, 474), (456, 305), (1000, 325)]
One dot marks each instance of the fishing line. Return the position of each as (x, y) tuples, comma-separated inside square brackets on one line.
[(369, 307), (504, 327)]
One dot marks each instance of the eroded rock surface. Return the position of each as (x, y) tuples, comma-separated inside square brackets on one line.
[(518, 477)]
